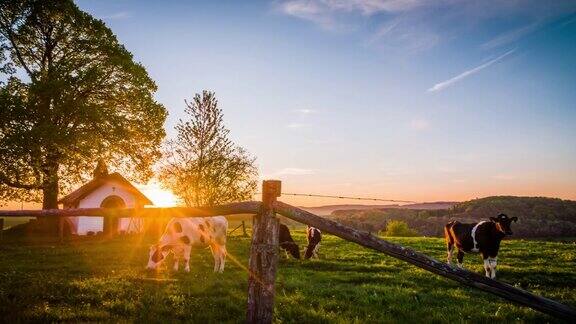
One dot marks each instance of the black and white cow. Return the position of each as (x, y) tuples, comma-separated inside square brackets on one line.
[(287, 242), (483, 237), (314, 237), (183, 233)]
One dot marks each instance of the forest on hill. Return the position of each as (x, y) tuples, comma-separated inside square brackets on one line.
[(537, 216)]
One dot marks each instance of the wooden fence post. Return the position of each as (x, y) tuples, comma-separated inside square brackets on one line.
[(263, 257), (244, 234), (1, 229), (61, 228)]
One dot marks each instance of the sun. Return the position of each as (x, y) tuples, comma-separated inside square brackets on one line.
[(159, 196)]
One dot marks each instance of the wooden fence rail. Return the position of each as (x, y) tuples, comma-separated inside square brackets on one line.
[(247, 207), (425, 262)]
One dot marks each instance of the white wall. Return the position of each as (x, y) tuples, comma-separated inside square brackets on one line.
[(95, 198)]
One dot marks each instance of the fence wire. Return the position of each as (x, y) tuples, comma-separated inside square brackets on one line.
[(345, 197)]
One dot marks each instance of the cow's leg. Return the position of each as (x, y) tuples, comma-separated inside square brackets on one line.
[(487, 267), (177, 253), (450, 248), (449, 244), (223, 253), (176, 259), (460, 258), (492, 262), (186, 257), (214, 249), (315, 252)]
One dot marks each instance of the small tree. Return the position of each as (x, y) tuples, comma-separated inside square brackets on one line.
[(202, 166), (396, 228)]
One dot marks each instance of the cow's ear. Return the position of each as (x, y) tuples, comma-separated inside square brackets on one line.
[(494, 219), (514, 219)]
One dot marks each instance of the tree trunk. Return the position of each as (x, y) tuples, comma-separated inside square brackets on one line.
[(50, 194), (50, 190)]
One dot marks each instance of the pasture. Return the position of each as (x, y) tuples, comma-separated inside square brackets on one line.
[(106, 281)]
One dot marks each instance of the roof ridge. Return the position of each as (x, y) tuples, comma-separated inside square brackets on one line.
[(73, 197)]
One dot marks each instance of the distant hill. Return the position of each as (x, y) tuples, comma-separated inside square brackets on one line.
[(329, 209), (538, 216), (431, 205)]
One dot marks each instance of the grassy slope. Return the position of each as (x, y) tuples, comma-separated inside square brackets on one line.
[(103, 281)]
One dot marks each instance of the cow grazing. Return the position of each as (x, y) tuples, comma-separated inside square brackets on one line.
[(314, 238), (183, 233), (287, 242), (483, 237)]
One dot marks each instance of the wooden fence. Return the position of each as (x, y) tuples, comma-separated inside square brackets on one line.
[(263, 261)]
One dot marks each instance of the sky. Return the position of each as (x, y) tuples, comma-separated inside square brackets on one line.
[(415, 100)]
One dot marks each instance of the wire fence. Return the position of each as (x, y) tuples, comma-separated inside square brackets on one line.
[(346, 197)]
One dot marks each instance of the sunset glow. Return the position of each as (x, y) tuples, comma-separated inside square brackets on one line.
[(387, 106), (159, 196)]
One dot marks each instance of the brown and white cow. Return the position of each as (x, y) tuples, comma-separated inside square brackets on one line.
[(483, 237), (286, 241), (314, 237), (183, 233)]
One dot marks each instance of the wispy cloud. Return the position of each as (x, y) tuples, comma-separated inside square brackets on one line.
[(332, 14), (312, 9), (296, 125), (444, 84), (370, 7), (412, 26), (308, 10), (117, 15), (405, 34), (305, 111), (302, 119), (510, 36)]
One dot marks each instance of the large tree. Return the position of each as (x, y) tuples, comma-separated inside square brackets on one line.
[(202, 165), (70, 94)]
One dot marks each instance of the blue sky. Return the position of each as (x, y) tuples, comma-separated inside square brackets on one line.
[(397, 99)]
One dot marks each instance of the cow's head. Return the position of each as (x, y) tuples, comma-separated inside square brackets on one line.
[(292, 248), (503, 223), (156, 256), (309, 252)]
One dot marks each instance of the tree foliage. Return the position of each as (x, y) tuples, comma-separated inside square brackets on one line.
[(202, 165), (70, 93), (396, 228)]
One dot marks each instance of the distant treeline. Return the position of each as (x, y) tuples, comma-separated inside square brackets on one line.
[(537, 216)]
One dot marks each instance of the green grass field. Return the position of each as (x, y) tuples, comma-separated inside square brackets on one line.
[(106, 281)]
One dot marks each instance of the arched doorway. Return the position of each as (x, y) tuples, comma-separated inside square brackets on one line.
[(111, 224)]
